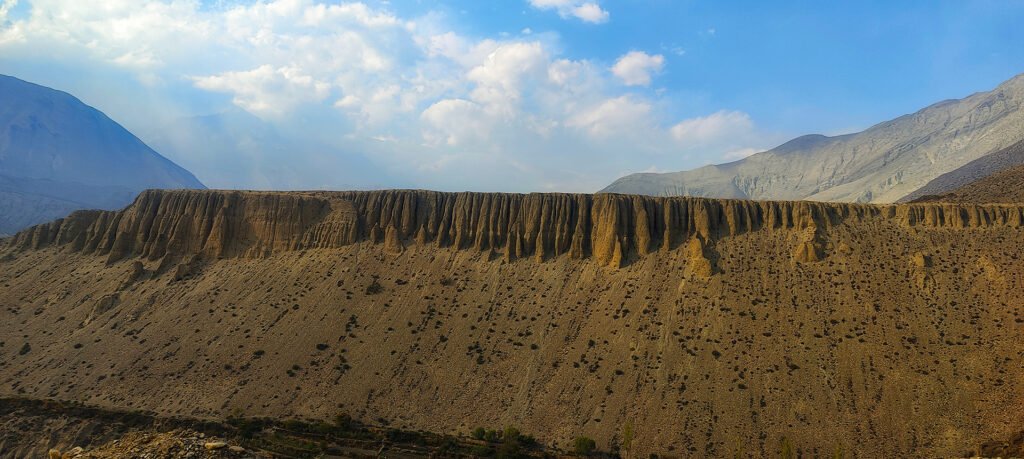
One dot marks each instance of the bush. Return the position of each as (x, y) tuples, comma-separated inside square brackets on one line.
[(374, 288), (583, 446), (511, 435), (479, 432), (492, 435)]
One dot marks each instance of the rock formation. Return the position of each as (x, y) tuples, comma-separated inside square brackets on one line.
[(612, 229), (710, 327)]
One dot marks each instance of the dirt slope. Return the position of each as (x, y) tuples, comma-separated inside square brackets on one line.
[(999, 189), (703, 327)]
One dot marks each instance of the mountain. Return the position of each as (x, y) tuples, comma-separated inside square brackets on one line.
[(679, 326), (987, 166), (58, 154), (1005, 186), (881, 164)]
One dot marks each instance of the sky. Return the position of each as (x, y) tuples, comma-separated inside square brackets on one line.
[(499, 95)]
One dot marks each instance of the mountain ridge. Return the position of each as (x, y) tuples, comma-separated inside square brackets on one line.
[(880, 164), (58, 154)]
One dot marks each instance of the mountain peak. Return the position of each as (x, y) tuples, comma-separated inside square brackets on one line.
[(58, 154)]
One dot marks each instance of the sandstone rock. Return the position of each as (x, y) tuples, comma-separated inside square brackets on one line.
[(808, 252), (608, 227), (699, 265), (391, 241), (212, 445), (101, 306)]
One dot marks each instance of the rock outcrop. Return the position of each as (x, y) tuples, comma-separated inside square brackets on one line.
[(612, 229)]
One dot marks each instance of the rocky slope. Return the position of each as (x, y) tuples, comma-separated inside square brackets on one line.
[(1005, 186), (682, 326), (58, 154), (881, 164), (974, 171)]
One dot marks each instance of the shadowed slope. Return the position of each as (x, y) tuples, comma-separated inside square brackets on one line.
[(975, 171)]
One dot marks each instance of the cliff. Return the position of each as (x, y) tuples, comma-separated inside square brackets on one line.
[(610, 228), (731, 328)]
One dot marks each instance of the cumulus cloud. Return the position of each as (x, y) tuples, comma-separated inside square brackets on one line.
[(583, 10), (635, 67), (267, 90), (706, 129), (454, 122), (408, 94), (612, 116)]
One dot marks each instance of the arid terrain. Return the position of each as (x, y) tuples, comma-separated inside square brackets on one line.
[(673, 326)]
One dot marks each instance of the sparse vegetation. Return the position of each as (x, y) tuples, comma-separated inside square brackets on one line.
[(374, 287), (584, 446)]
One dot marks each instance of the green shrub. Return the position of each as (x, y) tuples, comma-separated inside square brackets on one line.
[(511, 435), (583, 446), (479, 432), (374, 288)]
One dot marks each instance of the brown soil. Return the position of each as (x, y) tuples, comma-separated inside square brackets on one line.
[(704, 327)]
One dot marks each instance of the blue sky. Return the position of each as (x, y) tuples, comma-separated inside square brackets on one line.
[(512, 95)]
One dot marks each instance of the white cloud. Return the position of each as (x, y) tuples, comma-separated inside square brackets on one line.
[(635, 67), (585, 11), (500, 78), (411, 95), (720, 125), (5, 7), (613, 116), (590, 12), (266, 90), (455, 122)]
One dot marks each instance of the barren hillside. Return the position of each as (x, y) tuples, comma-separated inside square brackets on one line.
[(1005, 186), (679, 326), (880, 164)]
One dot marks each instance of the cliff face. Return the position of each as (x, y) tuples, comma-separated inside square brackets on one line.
[(612, 229), (731, 328)]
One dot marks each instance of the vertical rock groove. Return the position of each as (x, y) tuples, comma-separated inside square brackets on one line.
[(609, 228)]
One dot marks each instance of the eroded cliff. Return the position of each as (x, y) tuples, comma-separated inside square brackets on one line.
[(728, 328), (612, 229)]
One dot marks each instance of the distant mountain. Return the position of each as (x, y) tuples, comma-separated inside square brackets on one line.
[(972, 172), (58, 154), (881, 164)]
